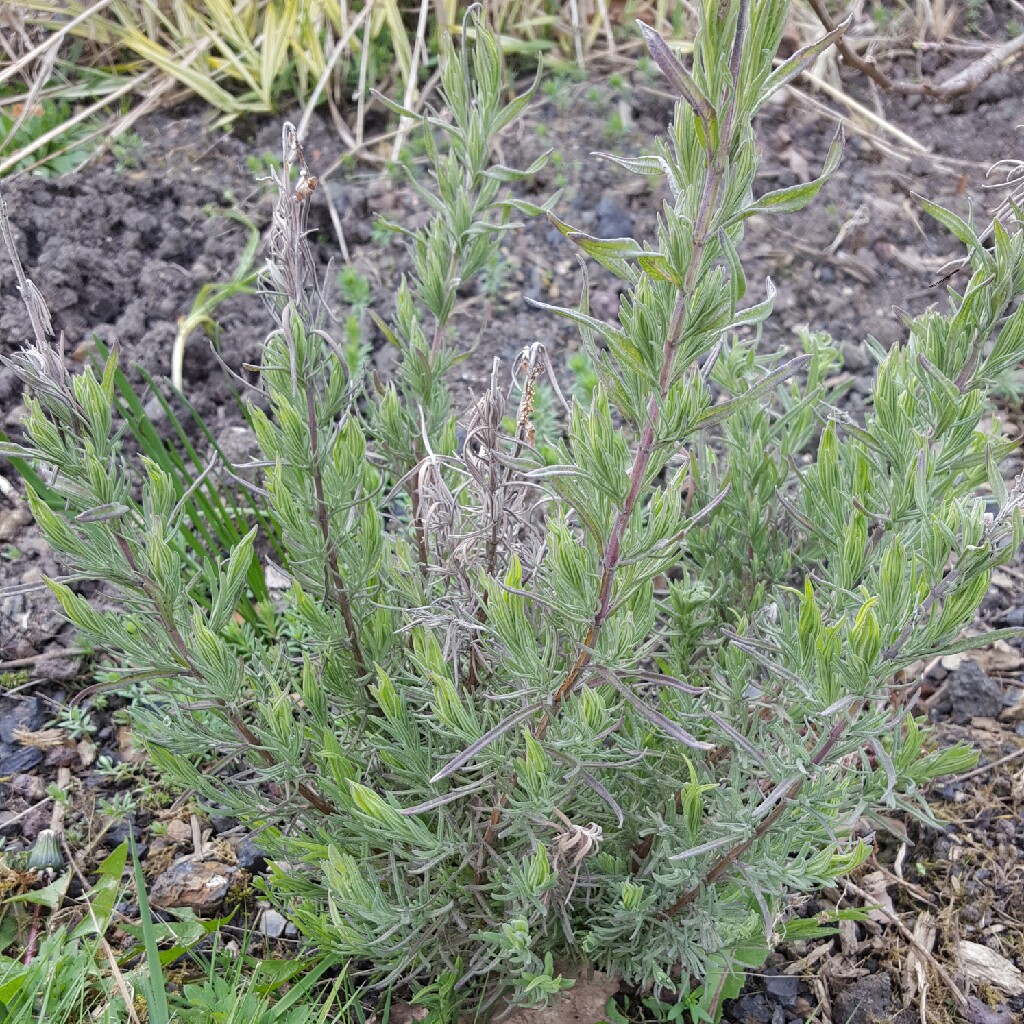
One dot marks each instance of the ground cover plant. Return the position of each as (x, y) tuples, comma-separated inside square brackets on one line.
[(623, 698)]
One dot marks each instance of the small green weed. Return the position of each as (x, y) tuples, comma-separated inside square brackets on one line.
[(61, 155)]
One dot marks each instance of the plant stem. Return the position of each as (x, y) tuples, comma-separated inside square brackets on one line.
[(333, 582), (612, 554), (735, 852), (645, 447)]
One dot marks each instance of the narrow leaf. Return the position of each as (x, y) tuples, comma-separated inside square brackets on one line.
[(485, 741), (656, 718), (636, 164), (784, 372), (951, 222), (799, 62), (499, 172), (699, 851), (796, 197)]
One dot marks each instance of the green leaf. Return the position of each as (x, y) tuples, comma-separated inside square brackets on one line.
[(232, 581), (611, 253), (51, 895), (512, 110), (949, 220), (499, 172), (967, 643), (153, 982), (648, 165), (799, 62), (584, 320), (765, 384), (796, 197), (104, 894)]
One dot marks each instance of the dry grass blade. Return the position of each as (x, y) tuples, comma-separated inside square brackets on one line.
[(339, 48), (410, 82), (859, 110), (53, 41), (29, 100)]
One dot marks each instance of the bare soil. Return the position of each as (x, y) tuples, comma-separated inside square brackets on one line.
[(120, 252)]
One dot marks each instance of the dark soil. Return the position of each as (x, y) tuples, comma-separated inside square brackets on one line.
[(120, 252)]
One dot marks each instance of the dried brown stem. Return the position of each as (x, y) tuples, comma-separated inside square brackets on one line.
[(963, 82)]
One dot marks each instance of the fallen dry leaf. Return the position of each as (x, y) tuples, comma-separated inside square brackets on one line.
[(406, 1013), (126, 746)]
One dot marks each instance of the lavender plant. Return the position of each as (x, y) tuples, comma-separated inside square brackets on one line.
[(625, 702)]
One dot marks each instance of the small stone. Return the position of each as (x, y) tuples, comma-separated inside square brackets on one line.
[(154, 410), (272, 924), (753, 1007), (28, 787), (118, 833), (854, 357), (250, 857), (18, 714), (16, 415), (58, 669), (971, 693), (199, 885), (612, 220), (1014, 617), (866, 1001), (35, 820), (12, 520), (783, 987), (21, 759), (179, 831)]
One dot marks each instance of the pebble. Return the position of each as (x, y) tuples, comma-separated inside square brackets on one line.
[(201, 886), (12, 520), (28, 787), (272, 924), (784, 987), (612, 220), (855, 357), (249, 856), (971, 693), (18, 713), (21, 759), (35, 820)]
